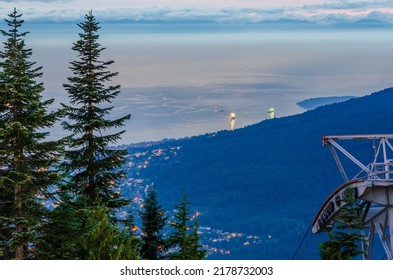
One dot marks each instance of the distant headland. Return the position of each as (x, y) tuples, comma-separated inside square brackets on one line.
[(312, 103)]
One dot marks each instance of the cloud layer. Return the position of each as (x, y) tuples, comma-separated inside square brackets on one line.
[(328, 12)]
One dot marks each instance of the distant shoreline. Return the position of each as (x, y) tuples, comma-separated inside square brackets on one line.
[(313, 103)]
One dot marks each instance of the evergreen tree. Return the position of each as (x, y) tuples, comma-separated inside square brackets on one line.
[(104, 241), (179, 238), (65, 230), (186, 243), (344, 242), (330, 250), (153, 219), (129, 223), (87, 234), (94, 166), (196, 249), (130, 228), (27, 159)]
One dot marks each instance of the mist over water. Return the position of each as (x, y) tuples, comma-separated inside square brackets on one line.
[(178, 84)]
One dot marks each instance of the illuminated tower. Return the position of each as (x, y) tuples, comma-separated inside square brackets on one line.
[(232, 124), (270, 113)]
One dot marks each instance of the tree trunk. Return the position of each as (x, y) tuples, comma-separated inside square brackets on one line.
[(19, 228)]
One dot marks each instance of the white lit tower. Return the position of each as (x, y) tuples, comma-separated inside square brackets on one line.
[(270, 113), (232, 121)]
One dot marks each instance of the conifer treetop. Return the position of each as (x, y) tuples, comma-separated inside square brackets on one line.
[(90, 91), (28, 161)]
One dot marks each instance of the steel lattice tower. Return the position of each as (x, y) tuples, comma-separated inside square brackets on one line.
[(373, 190)]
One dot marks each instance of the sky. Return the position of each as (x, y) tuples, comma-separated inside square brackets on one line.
[(321, 11)]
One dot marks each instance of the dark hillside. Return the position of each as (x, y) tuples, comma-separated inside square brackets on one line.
[(267, 179)]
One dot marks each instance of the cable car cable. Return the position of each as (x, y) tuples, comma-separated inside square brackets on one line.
[(301, 242)]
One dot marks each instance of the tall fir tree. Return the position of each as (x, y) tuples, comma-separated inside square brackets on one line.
[(27, 159), (95, 168), (185, 238), (154, 220)]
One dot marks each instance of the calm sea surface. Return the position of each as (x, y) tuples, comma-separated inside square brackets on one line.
[(185, 82)]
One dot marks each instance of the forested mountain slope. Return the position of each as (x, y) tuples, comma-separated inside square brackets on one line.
[(266, 180)]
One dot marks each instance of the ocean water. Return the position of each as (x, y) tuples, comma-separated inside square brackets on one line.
[(179, 82)]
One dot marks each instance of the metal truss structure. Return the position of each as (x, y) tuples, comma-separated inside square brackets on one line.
[(373, 187)]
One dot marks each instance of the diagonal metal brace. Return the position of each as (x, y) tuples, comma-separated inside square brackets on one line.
[(338, 162), (351, 157)]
